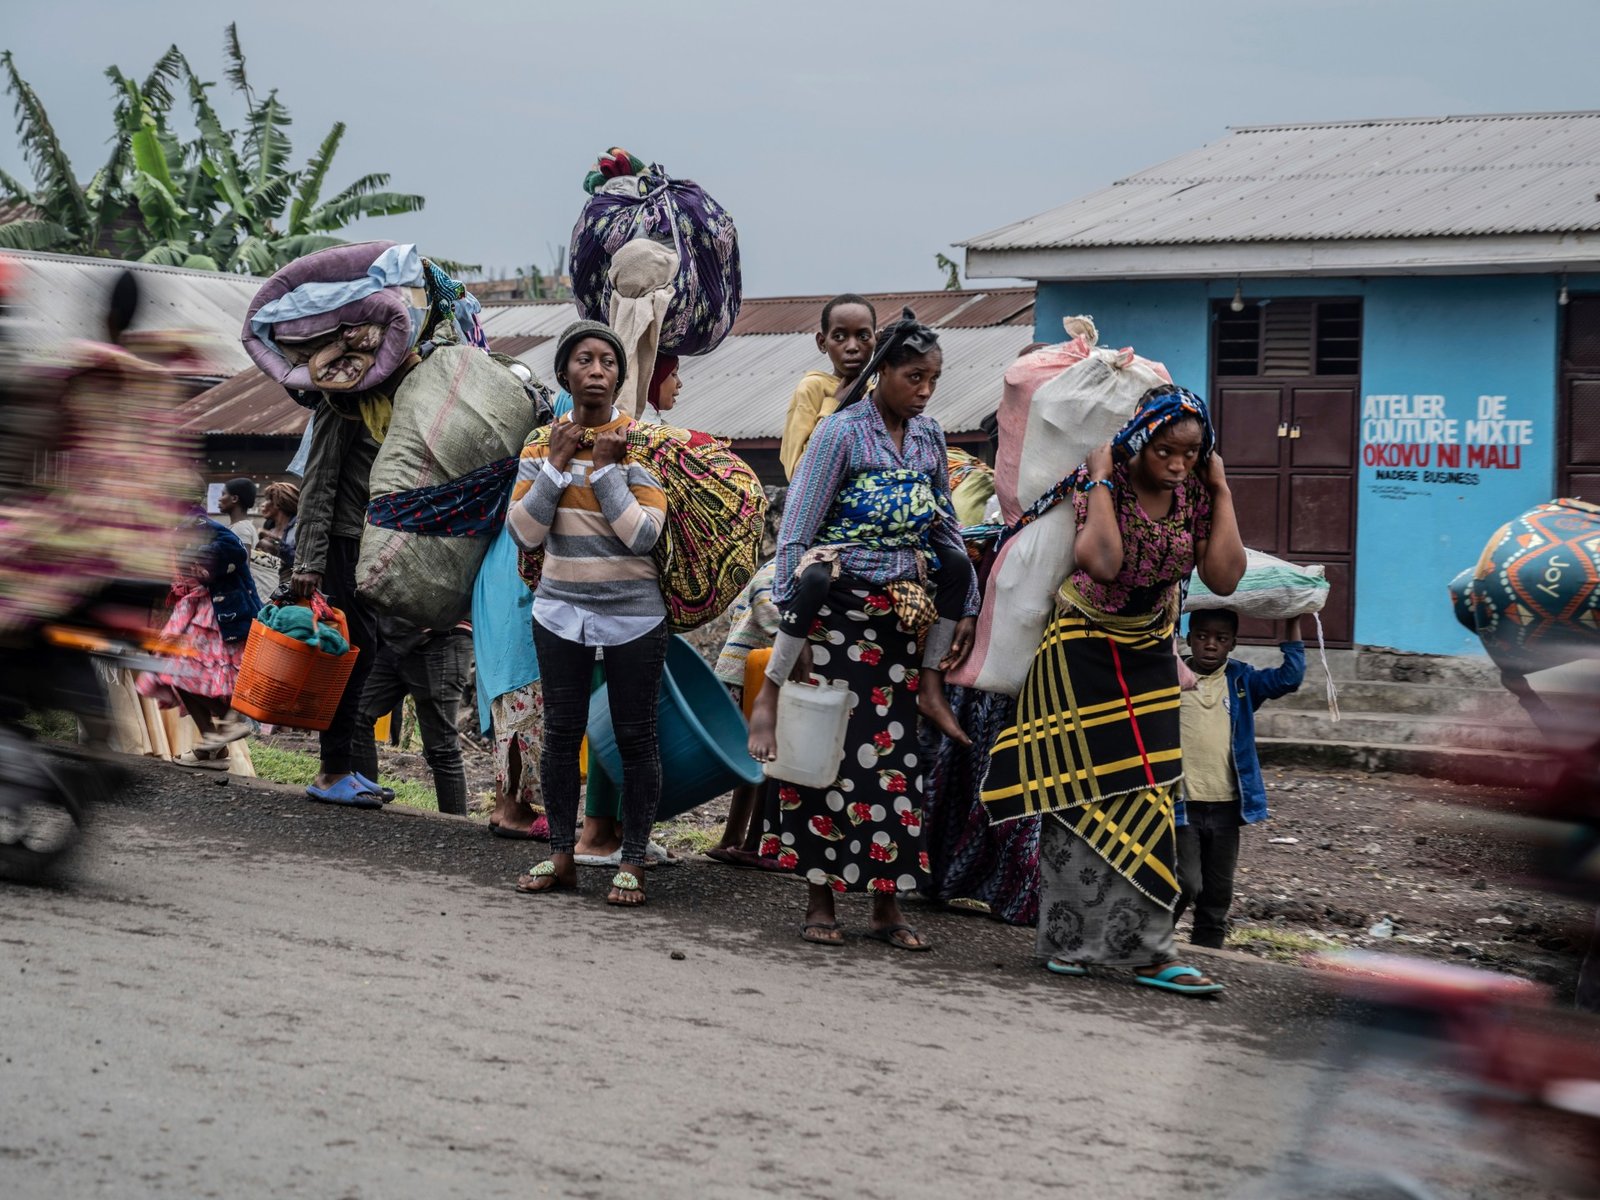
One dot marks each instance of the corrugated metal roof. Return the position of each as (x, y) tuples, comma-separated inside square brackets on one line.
[(64, 297), (527, 318), (516, 344), (248, 404), (946, 309), (1410, 177)]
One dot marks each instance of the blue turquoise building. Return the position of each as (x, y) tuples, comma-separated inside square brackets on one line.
[(1398, 323)]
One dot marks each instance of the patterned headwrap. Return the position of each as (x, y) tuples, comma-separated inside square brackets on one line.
[(1159, 408), (907, 332)]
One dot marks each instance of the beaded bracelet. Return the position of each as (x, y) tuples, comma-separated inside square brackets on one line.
[(1094, 483)]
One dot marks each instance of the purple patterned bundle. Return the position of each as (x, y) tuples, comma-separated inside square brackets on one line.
[(707, 290)]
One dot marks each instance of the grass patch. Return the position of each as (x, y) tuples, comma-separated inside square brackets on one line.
[(683, 838), (1280, 945), (299, 768), (52, 724)]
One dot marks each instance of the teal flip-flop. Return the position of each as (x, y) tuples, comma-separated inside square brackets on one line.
[(1168, 981), (1056, 967)]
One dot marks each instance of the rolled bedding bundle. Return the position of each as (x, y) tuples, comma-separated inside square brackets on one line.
[(346, 318)]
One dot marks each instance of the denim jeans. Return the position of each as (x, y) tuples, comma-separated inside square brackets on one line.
[(633, 674), (433, 673)]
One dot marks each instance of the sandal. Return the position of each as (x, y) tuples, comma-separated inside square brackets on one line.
[(212, 760), (627, 883), (826, 927), (544, 870), (1169, 979), (1058, 966), (886, 935)]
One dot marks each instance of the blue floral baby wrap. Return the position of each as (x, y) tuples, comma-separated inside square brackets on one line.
[(888, 509)]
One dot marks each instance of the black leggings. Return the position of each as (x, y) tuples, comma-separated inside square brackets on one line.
[(811, 593), (633, 675)]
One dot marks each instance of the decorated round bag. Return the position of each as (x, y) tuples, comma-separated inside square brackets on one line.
[(646, 202), (1534, 596)]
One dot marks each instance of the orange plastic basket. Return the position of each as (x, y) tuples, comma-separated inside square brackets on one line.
[(283, 681)]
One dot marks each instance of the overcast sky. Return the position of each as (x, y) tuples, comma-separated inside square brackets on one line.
[(850, 140)]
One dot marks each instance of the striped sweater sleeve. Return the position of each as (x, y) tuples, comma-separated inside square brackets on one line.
[(534, 499), (633, 503)]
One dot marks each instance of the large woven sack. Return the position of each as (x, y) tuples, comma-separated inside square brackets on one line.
[(1271, 590), (1019, 603), (716, 507), (707, 289), (1079, 409), (456, 411), (1032, 446), (1534, 595)]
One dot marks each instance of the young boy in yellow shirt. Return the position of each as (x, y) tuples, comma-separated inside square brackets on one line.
[(849, 331)]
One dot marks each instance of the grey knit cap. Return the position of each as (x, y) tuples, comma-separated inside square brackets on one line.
[(577, 331)]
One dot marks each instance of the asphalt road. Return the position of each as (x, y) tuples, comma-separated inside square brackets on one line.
[(236, 993)]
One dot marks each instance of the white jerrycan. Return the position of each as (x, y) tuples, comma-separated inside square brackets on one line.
[(810, 736)]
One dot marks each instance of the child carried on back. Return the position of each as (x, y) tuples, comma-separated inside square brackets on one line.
[(819, 567)]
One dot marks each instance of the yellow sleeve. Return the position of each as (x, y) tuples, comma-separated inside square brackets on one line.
[(805, 410)]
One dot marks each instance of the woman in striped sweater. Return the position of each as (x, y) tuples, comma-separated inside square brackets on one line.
[(598, 518)]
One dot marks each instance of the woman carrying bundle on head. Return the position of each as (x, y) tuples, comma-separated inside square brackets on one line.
[(868, 509), (1095, 747)]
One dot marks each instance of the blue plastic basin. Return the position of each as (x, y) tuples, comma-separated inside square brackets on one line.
[(703, 735)]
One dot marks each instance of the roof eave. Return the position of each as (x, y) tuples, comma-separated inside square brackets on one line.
[(1510, 254)]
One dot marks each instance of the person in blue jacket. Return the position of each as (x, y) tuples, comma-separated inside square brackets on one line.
[(1222, 785)]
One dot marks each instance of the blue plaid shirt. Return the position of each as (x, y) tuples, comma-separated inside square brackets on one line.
[(844, 445)]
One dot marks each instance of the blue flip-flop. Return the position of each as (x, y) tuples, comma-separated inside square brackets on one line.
[(386, 794), (1056, 967), (349, 791), (1168, 981)]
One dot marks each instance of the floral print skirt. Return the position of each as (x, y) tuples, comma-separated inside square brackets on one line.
[(1089, 912), (518, 720), (863, 833)]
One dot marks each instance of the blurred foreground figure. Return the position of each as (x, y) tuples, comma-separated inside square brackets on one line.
[(92, 478), (1533, 598), (94, 474)]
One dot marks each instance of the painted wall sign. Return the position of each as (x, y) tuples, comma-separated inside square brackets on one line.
[(1415, 439)]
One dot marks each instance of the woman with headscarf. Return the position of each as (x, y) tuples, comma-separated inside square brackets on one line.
[(873, 486), (664, 385), (1095, 747)]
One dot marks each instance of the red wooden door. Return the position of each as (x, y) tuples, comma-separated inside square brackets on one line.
[(1285, 393), (1579, 468)]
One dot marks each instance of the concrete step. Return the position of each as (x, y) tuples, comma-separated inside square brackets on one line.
[(1484, 768), (1421, 699), (1513, 732), (1378, 664)]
